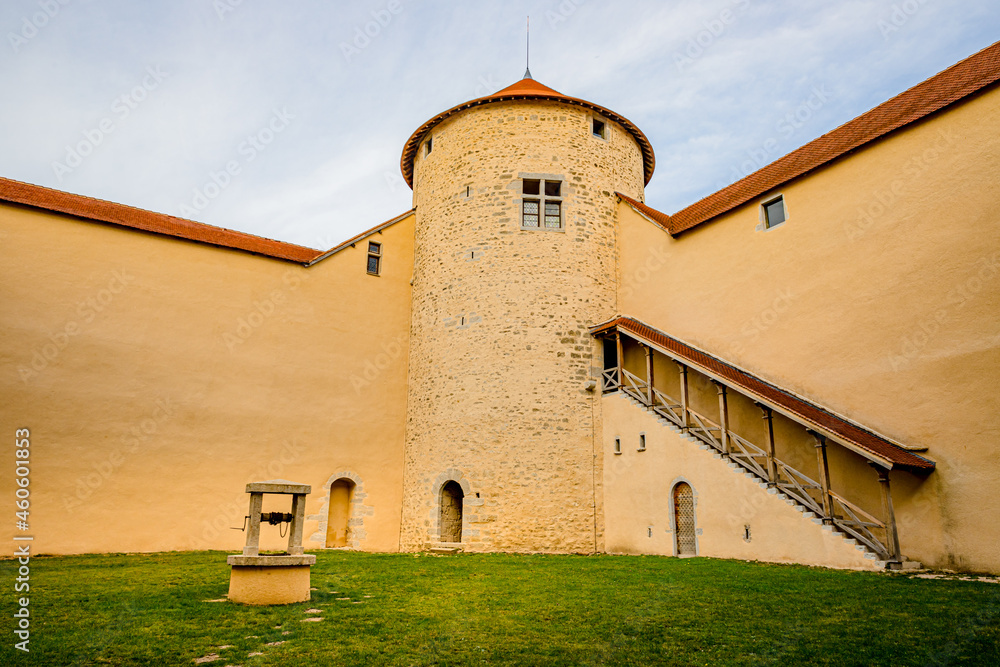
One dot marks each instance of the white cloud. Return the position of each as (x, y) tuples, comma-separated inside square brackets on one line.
[(334, 171)]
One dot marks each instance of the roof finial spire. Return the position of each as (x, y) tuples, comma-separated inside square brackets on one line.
[(527, 49)]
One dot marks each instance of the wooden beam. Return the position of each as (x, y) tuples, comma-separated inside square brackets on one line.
[(621, 358), (824, 475), (888, 514), (772, 467), (649, 374), (723, 417), (685, 416)]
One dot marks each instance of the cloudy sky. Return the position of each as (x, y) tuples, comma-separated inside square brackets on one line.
[(287, 119)]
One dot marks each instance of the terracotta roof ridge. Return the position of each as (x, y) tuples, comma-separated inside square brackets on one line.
[(101, 210), (526, 89), (527, 85), (657, 217), (964, 78), (805, 409), (362, 236)]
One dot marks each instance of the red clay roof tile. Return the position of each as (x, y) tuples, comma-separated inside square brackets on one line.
[(525, 89), (99, 210), (662, 219), (953, 84), (363, 235)]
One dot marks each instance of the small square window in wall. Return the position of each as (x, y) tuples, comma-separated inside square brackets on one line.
[(599, 128), (374, 258), (618, 445), (428, 146), (541, 204), (642, 442), (774, 212)]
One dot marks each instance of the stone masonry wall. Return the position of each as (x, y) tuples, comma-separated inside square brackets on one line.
[(500, 351)]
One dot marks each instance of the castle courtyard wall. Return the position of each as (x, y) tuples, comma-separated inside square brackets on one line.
[(877, 298), (158, 376)]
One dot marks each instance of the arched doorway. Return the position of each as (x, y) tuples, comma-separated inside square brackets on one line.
[(684, 528), (451, 512), (341, 494)]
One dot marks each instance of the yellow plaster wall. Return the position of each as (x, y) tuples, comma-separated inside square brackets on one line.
[(177, 372), (878, 298), (638, 510)]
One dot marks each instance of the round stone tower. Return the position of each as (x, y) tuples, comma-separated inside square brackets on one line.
[(515, 259)]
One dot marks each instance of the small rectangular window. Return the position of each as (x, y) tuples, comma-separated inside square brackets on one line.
[(618, 445), (642, 442), (599, 128), (553, 219), (374, 258), (428, 146), (530, 207), (541, 206), (774, 213)]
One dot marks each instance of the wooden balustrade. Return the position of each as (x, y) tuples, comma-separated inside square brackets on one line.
[(816, 496), (634, 386), (749, 455), (610, 380), (858, 523), (704, 429), (798, 485), (667, 408)]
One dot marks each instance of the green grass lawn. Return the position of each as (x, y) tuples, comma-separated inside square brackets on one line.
[(406, 609)]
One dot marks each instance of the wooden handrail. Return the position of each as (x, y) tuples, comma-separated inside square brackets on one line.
[(859, 529), (757, 450), (636, 386), (666, 407), (795, 488), (704, 420), (610, 377), (875, 521), (702, 432), (795, 484), (748, 453)]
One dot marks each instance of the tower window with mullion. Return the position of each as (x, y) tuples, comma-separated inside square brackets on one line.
[(541, 204)]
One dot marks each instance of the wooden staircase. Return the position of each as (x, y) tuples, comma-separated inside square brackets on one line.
[(792, 486)]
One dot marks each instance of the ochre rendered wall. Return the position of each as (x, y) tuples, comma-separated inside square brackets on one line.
[(638, 506), (497, 399), (878, 299), (159, 376)]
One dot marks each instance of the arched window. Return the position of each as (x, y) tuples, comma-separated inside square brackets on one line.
[(451, 512), (684, 528), (341, 495)]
